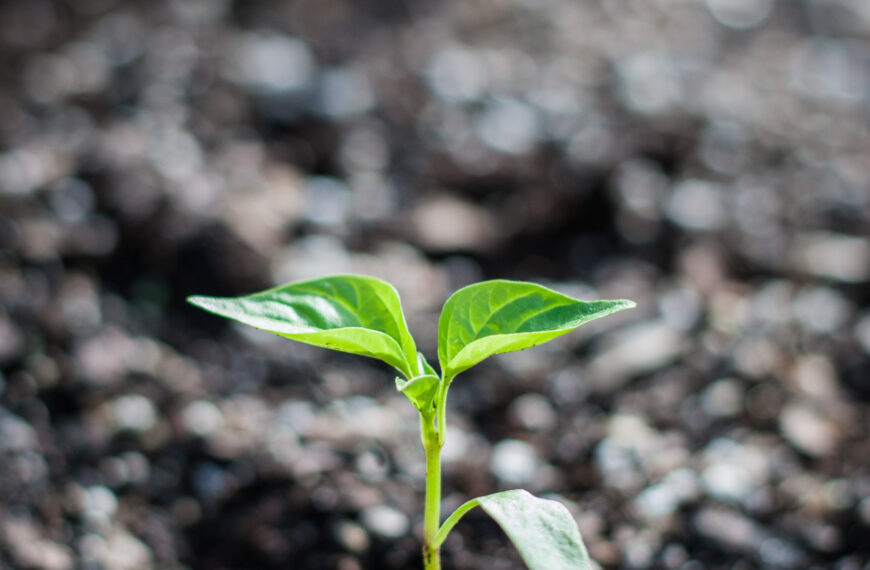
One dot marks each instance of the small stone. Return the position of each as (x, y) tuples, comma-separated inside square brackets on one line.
[(30, 550), (864, 510), (834, 256), (740, 14), (271, 62), (457, 73), (667, 496), (697, 205), (729, 527), (680, 308), (327, 201), (102, 499), (103, 359), (862, 331), (734, 470), (352, 536), (456, 445), (822, 310), (16, 435), (509, 126), (120, 550), (514, 461), (202, 417), (534, 411), (345, 93), (133, 412), (808, 430), (635, 350), (780, 553), (446, 223), (723, 398), (10, 340), (649, 83), (385, 521)]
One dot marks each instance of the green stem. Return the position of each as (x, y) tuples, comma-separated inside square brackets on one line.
[(451, 522), (442, 408), (432, 511)]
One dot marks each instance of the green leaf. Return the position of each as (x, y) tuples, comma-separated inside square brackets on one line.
[(498, 316), (423, 366), (543, 531), (420, 390), (349, 313)]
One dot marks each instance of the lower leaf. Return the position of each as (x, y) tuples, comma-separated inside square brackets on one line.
[(543, 531)]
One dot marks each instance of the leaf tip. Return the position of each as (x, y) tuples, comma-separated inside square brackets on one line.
[(197, 300)]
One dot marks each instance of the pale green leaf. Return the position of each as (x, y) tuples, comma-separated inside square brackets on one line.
[(348, 313), (543, 531), (421, 390), (499, 316)]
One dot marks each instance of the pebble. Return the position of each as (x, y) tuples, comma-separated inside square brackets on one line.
[(509, 126), (630, 446), (345, 93), (838, 257), (740, 14), (120, 550), (632, 351), (730, 528), (271, 63), (734, 470), (457, 445), (680, 308), (202, 418), (864, 510), (30, 550), (649, 83), (723, 398), (862, 331), (385, 521), (16, 435), (352, 536), (133, 412), (457, 73), (514, 461), (822, 310), (447, 223), (808, 430), (697, 205), (100, 498), (327, 201), (534, 411), (103, 359), (665, 497)]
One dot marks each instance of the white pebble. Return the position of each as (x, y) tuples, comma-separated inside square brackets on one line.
[(740, 14), (514, 461), (272, 62), (202, 417), (385, 521), (133, 412)]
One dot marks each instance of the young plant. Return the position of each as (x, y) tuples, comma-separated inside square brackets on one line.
[(363, 315)]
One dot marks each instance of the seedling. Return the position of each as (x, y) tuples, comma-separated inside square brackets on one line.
[(363, 315)]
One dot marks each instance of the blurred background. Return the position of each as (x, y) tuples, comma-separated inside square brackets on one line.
[(709, 159)]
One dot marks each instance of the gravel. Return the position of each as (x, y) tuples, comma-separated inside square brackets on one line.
[(706, 159)]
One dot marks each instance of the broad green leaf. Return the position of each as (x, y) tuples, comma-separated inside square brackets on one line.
[(349, 313), (423, 366), (420, 390), (543, 531), (498, 316)]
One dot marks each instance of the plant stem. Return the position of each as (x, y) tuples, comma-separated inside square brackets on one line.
[(451, 522), (432, 443)]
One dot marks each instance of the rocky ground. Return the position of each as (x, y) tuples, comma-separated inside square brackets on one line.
[(708, 159)]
